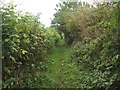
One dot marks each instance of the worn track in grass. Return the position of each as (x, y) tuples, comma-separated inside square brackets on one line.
[(61, 71)]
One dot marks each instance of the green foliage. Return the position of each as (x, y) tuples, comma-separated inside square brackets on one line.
[(73, 19), (24, 43), (98, 61), (65, 22), (99, 58), (53, 36)]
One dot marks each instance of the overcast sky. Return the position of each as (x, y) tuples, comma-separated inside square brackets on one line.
[(45, 7)]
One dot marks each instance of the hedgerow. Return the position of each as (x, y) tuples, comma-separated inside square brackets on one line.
[(98, 59), (24, 43)]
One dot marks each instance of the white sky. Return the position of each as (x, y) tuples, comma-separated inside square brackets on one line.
[(45, 7)]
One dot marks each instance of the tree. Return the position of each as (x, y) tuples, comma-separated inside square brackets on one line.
[(61, 18)]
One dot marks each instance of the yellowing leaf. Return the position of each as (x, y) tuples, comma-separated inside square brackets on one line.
[(24, 51)]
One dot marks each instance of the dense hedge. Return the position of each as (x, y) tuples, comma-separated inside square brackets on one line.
[(99, 59), (99, 62), (24, 43)]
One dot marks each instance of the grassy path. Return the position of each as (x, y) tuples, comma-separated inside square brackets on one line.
[(61, 71)]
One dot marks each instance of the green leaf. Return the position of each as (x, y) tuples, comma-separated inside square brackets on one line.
[(7, 40), (13, 59)]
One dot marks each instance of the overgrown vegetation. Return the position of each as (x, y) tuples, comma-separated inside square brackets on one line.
[(25, 42), (95, 31), (31, 52)]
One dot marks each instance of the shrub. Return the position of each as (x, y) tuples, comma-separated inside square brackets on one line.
[(98, 61), (23, 44)]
